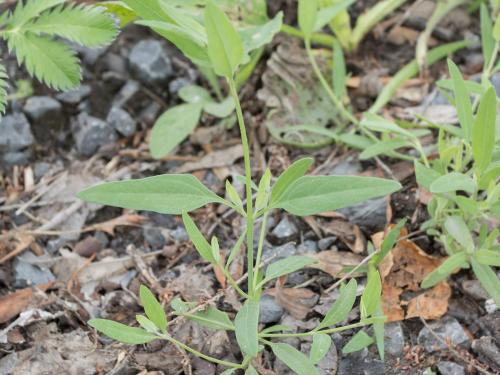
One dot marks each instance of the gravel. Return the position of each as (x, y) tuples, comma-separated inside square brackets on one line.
[(44, 111), (121, 120), (74, 97), (270, 310), (16, 133), (150, 62), (90, 133), (448, 329), (286, 230), (394, 339), (450, 368), (27, 273), (487, 349)]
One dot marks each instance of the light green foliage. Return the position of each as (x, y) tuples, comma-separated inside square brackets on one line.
[(246, 322), (153, 309), (122, 332), (286, 266), (359, 341), (294, 359), (196, 237), (31, 30), (342, 306), (308, 10), (320, 347)]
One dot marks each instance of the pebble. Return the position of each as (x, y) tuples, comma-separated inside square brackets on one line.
[(369, 215), (130, 92), (270, 310), (40, 168), (326, 243), (16, 133), (154, 237), (487, 350), (150, 63), (75, 96), (278, 252), (394, 339), (450, 368), (121, 120), (361, 362), (285, 231), (44, 110), (16, 157), (179, 234), (90, 133), (26, 273), (88, 247), (447, 329), (307, 247)]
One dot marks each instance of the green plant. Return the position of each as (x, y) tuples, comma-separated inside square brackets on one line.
[(292, 191), (32, 31)]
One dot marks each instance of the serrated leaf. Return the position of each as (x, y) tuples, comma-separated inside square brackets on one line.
[(246, 323), (445, 269), (122, 11), (320, 346), (153, 309), (286, 266), (294, 359), (370, 298), (462, 100), (212, 318), (197, 238), (27, 10), (51, 62), (425, 175), (488, 279), (359, 341), (488, 257), (147, 324), (457, 228), (310, 195), (342, 306), (225, 48), (83, 24), (167, 194), (290, 175), (122, 333), (483, 131), (173, 127), (308, 10), (451, 182)]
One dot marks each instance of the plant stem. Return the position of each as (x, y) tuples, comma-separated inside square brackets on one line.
[(232, 282), (199, 354), (319, 38), (248, 183), (260, 247)]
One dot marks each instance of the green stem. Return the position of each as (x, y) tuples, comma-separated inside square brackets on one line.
[(324, 331), (248, 182), (260, 247), (318, 38), (199, 354), (232, 282)]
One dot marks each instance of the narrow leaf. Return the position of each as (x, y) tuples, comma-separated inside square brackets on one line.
[(487, 40), (339, 71), (389, 242), (383, 147), (488, 279), (488, 257), (457, 228), (462, 100), (198, 240), (380, 124), (308, 10), (153, 309), (483, 132), (286, 266), (147, 324), (451, 182), (246, 323), (294, 359), (212, 318), (370, 298), (425, 175), (342, 306), (320, 347), (122, 333), (445, 269), (359, 341), (290, 175)]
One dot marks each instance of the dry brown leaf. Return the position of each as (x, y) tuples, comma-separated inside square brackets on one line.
[(349, 233), (334, 262), (110, 225), (15, 303), (297, 301), (429, 305)]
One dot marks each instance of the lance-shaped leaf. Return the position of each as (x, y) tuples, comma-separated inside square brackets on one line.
[(121, 332), (291, 174), (359, 341), (311, 195), (308, 11), (456, 227), (488, 279), (320, 347), (483, 132), (294, 359), (247, 322), (153, 309), (425, 176), (197, 238), (225, 47), (444, 270), (342, 306), (286, 266), (462, 100), (212, 318), (166, 194), (371, 295), (488, 257), (451, 182)]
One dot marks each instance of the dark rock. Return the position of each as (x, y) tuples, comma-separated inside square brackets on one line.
[(179, 234), (27, 273), (326, 243), (44, 111), (361, 362), (369, 215), (16, 133), (88, 247), (102, 238), (328, 365), (154, 237), (176, 84), (270, 310), (394, 339), (150, 114), (488, 351), (90, 133), (74, 97), (150, 63), (130, 93), (447, 329), (40, 169), (115, 63), (16, 158), (162, 220), (490, 323), (122, 121), (450, 368), (278, 252), (307, 247), (286, 230)]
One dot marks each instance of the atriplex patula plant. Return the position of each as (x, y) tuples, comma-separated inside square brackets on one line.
[(32, 30), (292, 191)]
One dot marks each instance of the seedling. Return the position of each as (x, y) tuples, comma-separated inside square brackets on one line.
[(32, 30), (292, 191)]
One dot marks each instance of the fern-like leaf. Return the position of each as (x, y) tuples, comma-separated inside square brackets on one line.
[(27, 10), (3, 89), (53, 63), (86, 25)]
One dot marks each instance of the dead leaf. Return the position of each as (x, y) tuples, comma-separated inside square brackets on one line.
[(334, 262), (13, 304), (110, 225), (220, 158), (297, 301), (429, 305), (348, 233)]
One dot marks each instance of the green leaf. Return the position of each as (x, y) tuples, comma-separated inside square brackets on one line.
[(122, 11), (212, 318), (251, 371), (359, 341), (121, 332), (445, 269), (320, 347), (483, 132), (51, 62), (236, 249), (83, 24), (462, 100), (339, 72), (383, 147), (294, 359), (148, 9), (290, 175), (327, 14), (451, 182), (425, 175), (487, 40), (342, 306), (173, 127), (186, 20), (27, 10), (3, 88), (197, 238), (370, 298), (496, 30), (254, 37), (310, 195), (488, 279), (147, 324), (166, 194), (456, 227), (153, 309), (179, 306), (194, 94), (233, 195), (286, 266), (222, 109), (277, 328), (225, 47), (247, 322), (378, 332), (488, 257), (262, 197), (389, 242), (215, 249), (473, 88), (380, 124), (308, 10)]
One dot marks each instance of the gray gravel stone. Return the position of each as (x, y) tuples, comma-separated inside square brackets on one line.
[(16, 157), (176, 84), (326, 243), (450, 368), (270, 310), (27, 273), (129, 92), (394, 339), (369, 215), (488, 351), (90, 133), (285, 230), (361, 362), (154, 237), (16, 133), (278, 252), (179, 234), (75, 96), (150, 63), (122, 121), (307, 247), (44, 110), (447, 329)]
